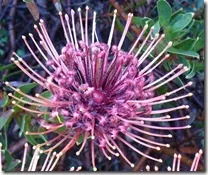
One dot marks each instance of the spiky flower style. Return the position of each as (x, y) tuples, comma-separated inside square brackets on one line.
[(102, 93), (177, 163)]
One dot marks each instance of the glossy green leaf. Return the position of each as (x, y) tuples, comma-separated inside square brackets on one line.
[(192, 72), (181, 21), (156, 29), (137, 20), (164, 12), (4, 118), (185, 44), (4, 101), (188, 53)]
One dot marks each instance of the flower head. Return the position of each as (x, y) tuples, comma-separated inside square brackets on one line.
[(99, 91)]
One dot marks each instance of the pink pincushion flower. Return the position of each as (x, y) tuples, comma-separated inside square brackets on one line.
[(101, 92)]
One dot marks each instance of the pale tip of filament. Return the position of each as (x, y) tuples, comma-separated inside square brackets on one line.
[(79, 168), (94, 169), (41, 20), (41, 151), (170, 43), (190, 83), (37, 95), (185, 68), (54, 153), (26, 144), (190, 94), (189, 126), (30, 34), (12, 110), (117, 154), (158, 148), (66, 17), (156, 168), (6, 83), (72, 168), (18, 90), (115, 11), (0, 144), (20, 59), (200, 151), (113, 147), (59, 154), (147, 167), (26, 133), (79, 9), (175, 155), (187, 116), (109, 158), (186, 106), (87, 8), (166, 56), (72, 12), (94, 13), (13, 102), (152, 28), (92, 137), (132, 165), (77, 153), (160, 160), (163, 35), (168, 116), (35, 26), (168, 145), (169, 168), (34, 147), (10, 94), (23, 37), (146, 26), (12, 59), (179, 156), (60, 13)]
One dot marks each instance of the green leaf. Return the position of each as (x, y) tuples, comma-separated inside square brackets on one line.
[(25, 88), (181, 21), (176, 13), (164, 12), (192, 72), (185, 44), (156, 29), (137, 20), (10, 162), (47, 94), (7, 67), (80, 140), (4, 118), (188, 53), (4, 102)]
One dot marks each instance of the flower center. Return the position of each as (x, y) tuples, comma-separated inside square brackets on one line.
[(98, 96)]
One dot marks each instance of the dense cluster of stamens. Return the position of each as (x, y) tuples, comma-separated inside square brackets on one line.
[(33, 164), (177, 163), (102, 93)]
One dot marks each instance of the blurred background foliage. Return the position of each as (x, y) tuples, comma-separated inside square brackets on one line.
[(182, 21)]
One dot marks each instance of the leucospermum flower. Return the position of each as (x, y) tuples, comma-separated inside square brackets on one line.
[(104, 94)]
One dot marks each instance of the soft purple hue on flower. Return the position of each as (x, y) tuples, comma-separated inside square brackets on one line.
[(102, 92)]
